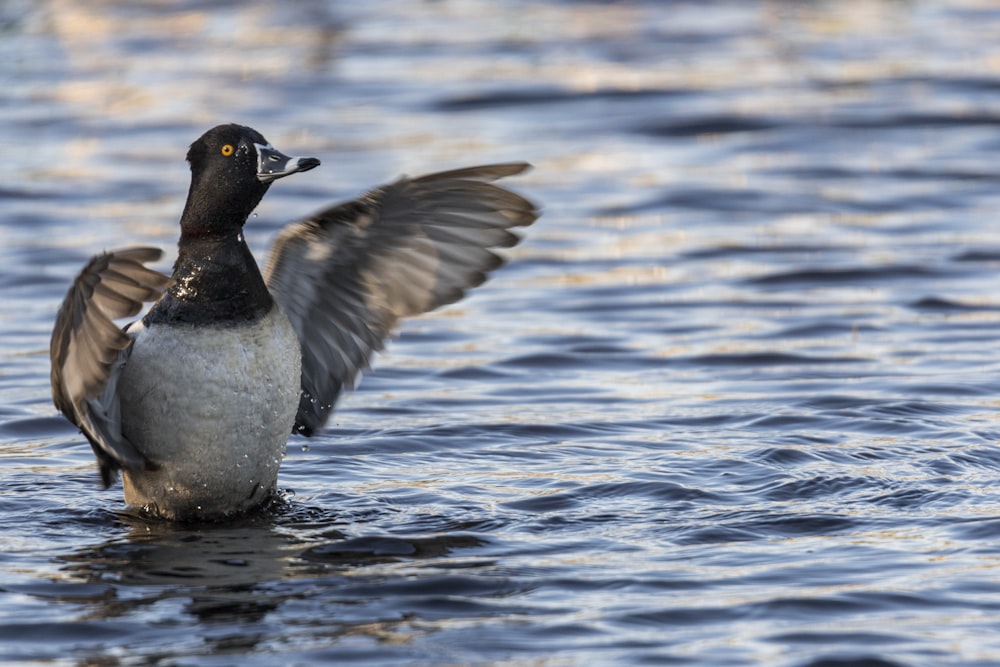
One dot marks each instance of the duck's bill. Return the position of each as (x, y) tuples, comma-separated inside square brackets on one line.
[(272, 164)]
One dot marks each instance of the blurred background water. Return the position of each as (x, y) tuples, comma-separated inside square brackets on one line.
[(733, 401)]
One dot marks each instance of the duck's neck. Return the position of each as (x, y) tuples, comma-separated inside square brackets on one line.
[(216, 280)]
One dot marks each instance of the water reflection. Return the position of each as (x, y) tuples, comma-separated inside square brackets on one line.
[(157, 553), (261, 580), (234, 574)]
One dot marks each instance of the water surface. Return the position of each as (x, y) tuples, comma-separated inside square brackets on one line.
[(733, 400)]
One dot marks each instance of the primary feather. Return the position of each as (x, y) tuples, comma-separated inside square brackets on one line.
[(347, 275)]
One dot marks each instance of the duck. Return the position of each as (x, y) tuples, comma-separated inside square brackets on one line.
[(192, 405)]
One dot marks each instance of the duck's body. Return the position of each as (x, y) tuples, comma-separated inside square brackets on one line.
[(219, 351), (195, 402), (238, 400)]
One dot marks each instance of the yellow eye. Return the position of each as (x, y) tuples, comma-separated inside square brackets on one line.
[(227, 150)]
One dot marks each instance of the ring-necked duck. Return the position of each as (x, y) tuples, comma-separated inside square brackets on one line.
[(195, 402)]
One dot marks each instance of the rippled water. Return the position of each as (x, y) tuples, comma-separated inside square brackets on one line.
[(733, 401)]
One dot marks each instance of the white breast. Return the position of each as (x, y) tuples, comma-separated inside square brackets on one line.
[(213, 408)]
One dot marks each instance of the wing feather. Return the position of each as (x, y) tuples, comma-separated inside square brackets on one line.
[(88, 350), (347, 275)]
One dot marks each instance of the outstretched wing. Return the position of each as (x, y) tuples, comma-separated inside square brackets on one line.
[(345, 276), (88, 350)]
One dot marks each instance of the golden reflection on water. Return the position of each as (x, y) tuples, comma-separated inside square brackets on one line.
[(679, 284), (103, 47)]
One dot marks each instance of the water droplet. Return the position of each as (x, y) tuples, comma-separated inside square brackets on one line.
[(305, 448)]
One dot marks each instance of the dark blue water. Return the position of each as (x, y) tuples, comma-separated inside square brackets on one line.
[(733, 401)]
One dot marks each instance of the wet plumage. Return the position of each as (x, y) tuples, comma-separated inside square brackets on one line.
[(195, 402)]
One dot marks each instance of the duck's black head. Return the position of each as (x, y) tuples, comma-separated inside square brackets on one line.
[(232, 167)]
